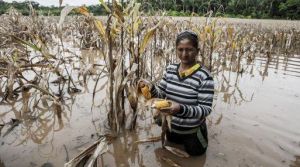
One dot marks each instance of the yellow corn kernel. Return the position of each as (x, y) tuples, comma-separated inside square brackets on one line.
[(146, 92), (162, 104)]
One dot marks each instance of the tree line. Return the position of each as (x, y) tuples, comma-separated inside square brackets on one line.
[(274, 9), (277, 9)]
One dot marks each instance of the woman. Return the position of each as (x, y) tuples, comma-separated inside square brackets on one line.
[(190, 87)]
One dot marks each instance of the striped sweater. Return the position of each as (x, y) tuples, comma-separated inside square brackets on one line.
[(194, 93)]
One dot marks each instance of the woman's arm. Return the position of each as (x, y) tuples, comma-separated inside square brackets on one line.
[(159, 91), (204, 100)]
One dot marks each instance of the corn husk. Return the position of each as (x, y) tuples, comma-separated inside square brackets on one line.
[(96, 149)]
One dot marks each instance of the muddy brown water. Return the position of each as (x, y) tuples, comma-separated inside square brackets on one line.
[(255, 122)]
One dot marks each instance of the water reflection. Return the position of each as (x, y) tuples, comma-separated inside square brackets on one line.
[(296, 163), (125, 152), (36, 119), (1, 163), (288, 65), (229, 78)]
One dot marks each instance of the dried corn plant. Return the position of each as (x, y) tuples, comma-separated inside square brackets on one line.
[(36, 75), (41, 68)]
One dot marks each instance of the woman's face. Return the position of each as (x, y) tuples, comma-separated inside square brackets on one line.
[(186, 52)]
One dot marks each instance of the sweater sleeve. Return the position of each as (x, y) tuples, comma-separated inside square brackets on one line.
[(159, 90), (204, 101)]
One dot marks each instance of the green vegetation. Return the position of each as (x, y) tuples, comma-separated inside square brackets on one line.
[(275, 9), (284, 9)]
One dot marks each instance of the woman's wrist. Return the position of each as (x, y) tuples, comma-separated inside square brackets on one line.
[(180, 110)]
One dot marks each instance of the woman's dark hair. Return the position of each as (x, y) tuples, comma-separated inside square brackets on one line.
[(193, 37)]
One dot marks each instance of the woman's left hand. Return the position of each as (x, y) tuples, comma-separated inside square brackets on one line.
[(173, 109)]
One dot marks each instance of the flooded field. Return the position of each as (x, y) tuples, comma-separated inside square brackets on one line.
[(255, 121)]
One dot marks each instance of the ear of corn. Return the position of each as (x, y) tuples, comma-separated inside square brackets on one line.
[(146, 92), (162, 104)]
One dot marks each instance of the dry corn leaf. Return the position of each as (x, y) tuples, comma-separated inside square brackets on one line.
[(151, 139), (115, 29), (83, 10), (137, 24), (31, 45), (178, 152), (118, 12), (136, 9), (230, 32), (233, 45), (100, 147), (105, 6), (196, 30), (128, 10), (64, 12), (100, 28), (148, 37)]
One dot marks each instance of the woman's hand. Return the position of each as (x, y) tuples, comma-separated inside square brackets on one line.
[(142, 83), (173, 109)]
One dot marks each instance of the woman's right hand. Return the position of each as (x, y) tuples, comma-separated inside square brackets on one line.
[(141, 83)]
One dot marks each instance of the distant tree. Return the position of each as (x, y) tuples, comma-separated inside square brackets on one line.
[(290, 9)]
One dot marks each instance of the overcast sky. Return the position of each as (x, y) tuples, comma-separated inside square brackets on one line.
[(56, 2)]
